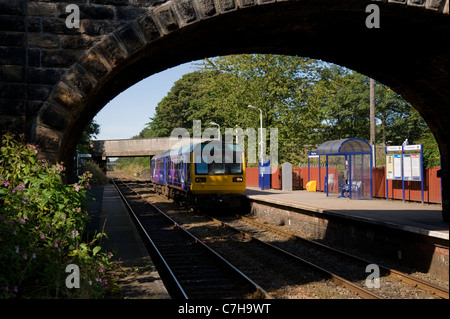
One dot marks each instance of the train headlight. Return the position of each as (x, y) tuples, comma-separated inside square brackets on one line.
[(238, 179), (200, 179)]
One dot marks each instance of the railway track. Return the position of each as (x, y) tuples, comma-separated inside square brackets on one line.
[(341, 268), (193, 270), (335, 263)]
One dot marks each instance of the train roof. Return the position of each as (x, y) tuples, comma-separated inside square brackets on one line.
[(190, 147)]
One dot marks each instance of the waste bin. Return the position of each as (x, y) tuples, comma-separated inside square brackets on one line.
[(311, 186)]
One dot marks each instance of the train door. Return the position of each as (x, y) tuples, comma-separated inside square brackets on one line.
[(187, 170), (164, 171)]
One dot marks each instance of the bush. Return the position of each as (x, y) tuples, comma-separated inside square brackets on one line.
[(98, 177), (41, 223)]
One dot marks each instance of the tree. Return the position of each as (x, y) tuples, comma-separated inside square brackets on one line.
[(309, 101), (279, 85), (88, 134), (343, 99)]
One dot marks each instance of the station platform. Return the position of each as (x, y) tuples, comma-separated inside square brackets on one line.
[(138, 277), (409, 234), (423, 219)]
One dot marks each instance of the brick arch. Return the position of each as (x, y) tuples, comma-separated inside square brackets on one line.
[(407, 53)]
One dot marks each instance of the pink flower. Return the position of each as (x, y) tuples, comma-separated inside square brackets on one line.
[(21, 187)]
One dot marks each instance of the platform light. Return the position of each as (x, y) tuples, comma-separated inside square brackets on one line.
[(218, 129), (260, 133)]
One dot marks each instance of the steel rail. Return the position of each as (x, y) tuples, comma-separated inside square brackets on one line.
[(364, 293), (142, 229), (261, 292), (386, 271)]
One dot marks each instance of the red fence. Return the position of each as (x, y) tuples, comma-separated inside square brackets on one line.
[(252, 176), (431, 187)]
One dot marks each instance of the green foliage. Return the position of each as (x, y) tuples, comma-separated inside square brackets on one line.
[(309, 101), (41, 224), (98, 177), (222, 89), (431, 155), (89, 133)]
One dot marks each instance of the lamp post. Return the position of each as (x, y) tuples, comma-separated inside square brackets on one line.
[(372, 120), (261, 169), (218, 129), (260, 132)]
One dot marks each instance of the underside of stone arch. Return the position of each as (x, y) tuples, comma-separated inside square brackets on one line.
[(407, 52)]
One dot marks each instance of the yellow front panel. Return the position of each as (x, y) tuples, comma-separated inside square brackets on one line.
[(217, 183)]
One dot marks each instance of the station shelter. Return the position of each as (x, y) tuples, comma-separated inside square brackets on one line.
[(348, 168)]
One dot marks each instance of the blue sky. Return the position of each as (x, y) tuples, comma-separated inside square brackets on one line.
[(126, 115)]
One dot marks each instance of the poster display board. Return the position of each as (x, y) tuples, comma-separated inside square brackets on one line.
[(404, 163), (80, 164)]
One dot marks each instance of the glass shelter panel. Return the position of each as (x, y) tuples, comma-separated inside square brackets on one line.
[(361, 176), (348, 168), (337, 172)]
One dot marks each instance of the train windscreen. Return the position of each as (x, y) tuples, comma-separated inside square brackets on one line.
[(216, 159)]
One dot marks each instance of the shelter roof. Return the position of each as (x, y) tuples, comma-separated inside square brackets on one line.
[(352, 145)]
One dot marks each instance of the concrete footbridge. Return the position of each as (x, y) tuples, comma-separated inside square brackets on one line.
[(101, 149)]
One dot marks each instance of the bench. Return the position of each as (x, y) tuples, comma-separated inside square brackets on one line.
[(355, 189)]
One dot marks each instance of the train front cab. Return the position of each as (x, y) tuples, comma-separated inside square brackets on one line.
[(218, 184)]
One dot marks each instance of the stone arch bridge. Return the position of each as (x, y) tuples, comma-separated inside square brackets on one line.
[(54, 79)]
